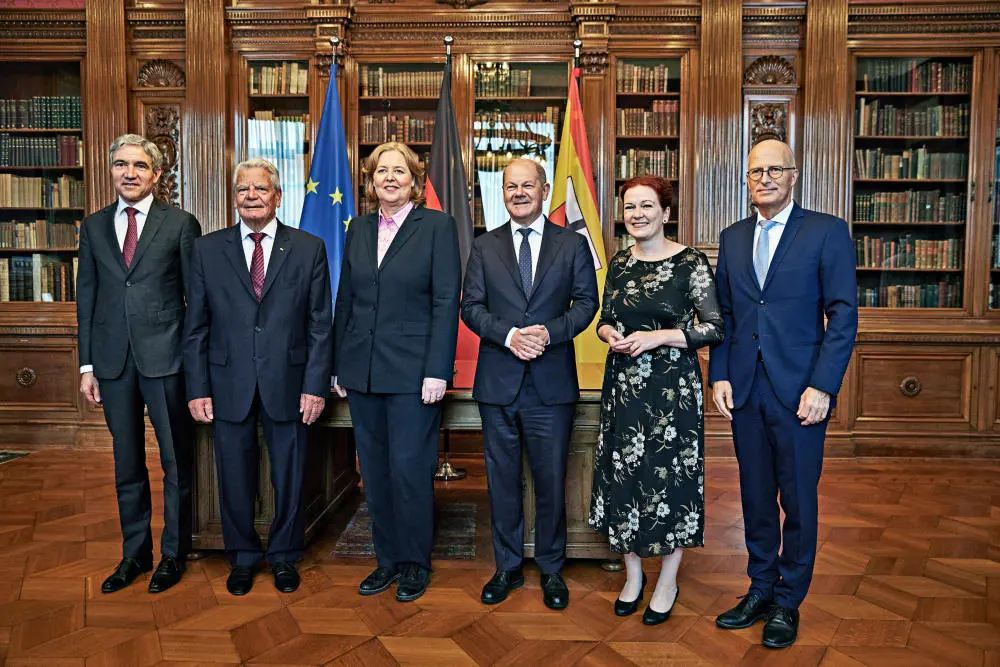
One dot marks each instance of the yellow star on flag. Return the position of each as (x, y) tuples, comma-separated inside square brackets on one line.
[(311, 186), (347, 224), (337, 196)]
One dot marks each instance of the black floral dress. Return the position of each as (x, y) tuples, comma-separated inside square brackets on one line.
[(649, 479)]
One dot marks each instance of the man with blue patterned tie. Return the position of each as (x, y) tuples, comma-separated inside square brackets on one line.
[(776, 377), (530, 287)]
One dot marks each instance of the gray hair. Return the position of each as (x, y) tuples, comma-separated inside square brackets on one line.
[(258, 163), (155, 156)]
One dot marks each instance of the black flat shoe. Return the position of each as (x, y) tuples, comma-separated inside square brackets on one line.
[(286, 577), (496, 589), (555, 592), (782, 627), (412, 582), (752, 608), (240, 580), (168, 573), (652, 617), (623, 608), (126, 572), (378, 581)]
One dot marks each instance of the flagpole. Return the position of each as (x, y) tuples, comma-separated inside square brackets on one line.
[(446, 472), (577, 45)]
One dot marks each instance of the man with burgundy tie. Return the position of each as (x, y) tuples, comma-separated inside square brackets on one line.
[(134, 263), (781, 273), (259, 347)]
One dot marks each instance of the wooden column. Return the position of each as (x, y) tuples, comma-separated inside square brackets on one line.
[(826, 138), (105, 86), (205, 157), (717, 161)]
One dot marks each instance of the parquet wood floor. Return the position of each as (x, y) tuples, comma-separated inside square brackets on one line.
[(908, 574)]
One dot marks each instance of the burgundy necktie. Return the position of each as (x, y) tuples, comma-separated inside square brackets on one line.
[(131, 237), (257, 263)]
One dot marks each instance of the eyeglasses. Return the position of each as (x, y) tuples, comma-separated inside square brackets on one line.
[(774, 172)]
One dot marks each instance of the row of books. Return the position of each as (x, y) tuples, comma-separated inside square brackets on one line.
[(41, 191), (635, 162), (910, 163), (39, 234), (909, 206), (376, 128), (507, 120), (37, 278), (874, 119), (62, 150), (995, 249), (41, 112), (994, 294), (503, 82), (942, 294), (907, 252), (662, 119), (910, 75), (287, 78), (630, 78), (376, 82)]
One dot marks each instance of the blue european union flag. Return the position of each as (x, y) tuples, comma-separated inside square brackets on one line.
[(329, 203)]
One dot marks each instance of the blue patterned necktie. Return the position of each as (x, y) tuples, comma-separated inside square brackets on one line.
[(762, 253), (524, 260)]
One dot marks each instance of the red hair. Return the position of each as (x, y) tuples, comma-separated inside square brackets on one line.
[(657, 184)]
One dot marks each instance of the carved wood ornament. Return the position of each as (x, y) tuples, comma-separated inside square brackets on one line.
[(768, 120), (160, 74), (769, 71), (163, 128)]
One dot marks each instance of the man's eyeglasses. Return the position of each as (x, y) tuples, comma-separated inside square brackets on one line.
[(774, 172)]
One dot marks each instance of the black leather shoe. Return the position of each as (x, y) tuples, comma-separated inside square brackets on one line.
[(782, 627), (240, 580), (286, 577), (413, 582), (623, 608), (168, 573), (653, 617), (503, 582), (752, 608), (554, 590), (378, 581), (126, 572)]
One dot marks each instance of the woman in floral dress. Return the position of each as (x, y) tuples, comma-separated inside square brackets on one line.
[(649, 478)]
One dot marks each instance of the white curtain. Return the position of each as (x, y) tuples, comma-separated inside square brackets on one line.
[(283, 143)]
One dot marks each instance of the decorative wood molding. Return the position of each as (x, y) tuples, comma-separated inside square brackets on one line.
[(105, 86), (769, 70), (148, 24), (918, 18), (462, 4), (66, 27), (768, 120), (160, 73), (829, 106), (162, 125), (594, 63)]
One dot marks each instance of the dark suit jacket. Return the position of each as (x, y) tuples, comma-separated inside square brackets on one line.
[(281, 346), (397, 324), (563, 298), (141, 306), (811, 275)]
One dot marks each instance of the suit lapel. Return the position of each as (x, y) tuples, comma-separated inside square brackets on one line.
[(371, 238), (406, 230), (280, 250), (505, 248), (746, 232), (238, 260), (787, 237), (546, 254), (154, 220), (114, 250)]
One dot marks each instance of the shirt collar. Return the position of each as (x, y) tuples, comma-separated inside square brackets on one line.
[(270, 229), (399, 216), (537, 226), (143, 206), (782, 217)]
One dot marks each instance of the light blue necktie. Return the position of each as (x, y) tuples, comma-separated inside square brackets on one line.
[(762, 253), (524, 260)]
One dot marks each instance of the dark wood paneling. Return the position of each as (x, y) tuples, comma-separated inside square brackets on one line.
[(38, 378)]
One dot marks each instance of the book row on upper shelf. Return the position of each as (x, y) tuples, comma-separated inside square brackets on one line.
[(662, 119), (377, 82), (874, 118), (41, 112), (377, 128), (634, 78), (503, 81), (944, 293), (911, 206), (62, 150), (911, 163), (910, 75), (638, 162), (39, 234), (37, 277), (285, 78), (41, 192), (907, 252)]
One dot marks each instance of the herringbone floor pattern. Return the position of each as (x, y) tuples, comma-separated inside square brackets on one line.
[(908, 574)]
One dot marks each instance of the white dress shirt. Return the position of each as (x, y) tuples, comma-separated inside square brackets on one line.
[(266, 243), (535, 243), (773, 234)]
